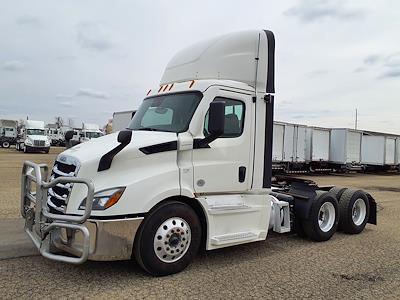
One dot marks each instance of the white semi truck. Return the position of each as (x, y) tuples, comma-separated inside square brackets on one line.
[(8, 133), (33, 138), (193, 170), (90, 131)]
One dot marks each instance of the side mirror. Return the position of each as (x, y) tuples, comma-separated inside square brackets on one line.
[(69, 135), (124, 137), (216, 118), (216, 124)]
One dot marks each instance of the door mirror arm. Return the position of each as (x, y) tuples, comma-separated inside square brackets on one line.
[(216, 124)]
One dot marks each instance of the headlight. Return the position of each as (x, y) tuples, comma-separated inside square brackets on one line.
[(47, 142), (105, 199), (28, 142)]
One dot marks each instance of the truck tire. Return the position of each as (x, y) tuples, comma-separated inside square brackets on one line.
[(323, 219), (5, 144), (337, 191), (353, 211), (168, 239)]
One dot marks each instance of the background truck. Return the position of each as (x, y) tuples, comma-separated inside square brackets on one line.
[(8, 132), (193, 169), (121, 119), (33, 138), (90, 131)]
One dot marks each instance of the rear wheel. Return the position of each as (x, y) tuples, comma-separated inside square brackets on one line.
[(168, 239), (337, 191), (354, 211), (323, 219), (5, 144)]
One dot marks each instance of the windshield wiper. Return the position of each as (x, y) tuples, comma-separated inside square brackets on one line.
[(147, 128)]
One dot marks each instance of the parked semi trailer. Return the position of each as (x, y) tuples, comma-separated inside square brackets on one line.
[(8, 133), (378, 151), (193, 169), (121, 119), (289, 147), (317, 148), (345, 149)]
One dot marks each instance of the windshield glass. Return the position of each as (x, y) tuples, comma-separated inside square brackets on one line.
[(170, 113), (35, 132), (93, 135)]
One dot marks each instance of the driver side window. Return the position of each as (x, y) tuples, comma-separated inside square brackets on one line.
[(234, 118)]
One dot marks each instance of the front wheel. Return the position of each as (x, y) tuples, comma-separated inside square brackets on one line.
[(168, 239), (5, 144), (323, 219)]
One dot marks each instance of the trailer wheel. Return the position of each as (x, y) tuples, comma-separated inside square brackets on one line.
[(323, 219), (354, 211), (337, 191), (168, 239)]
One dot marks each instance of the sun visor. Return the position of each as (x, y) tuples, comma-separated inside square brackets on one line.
[(241, 56)]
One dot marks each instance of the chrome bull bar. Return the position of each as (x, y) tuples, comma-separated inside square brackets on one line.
[(40, 222)]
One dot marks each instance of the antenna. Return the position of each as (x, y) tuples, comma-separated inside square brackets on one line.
[(356, 123)]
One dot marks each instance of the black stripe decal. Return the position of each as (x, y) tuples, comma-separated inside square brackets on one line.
[(269, 127), (270, 88), (163, 147)]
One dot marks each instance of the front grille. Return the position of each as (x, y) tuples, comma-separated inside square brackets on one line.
[(38, 143), (58, 196)]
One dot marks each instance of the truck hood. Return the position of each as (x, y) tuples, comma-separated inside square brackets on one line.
[(38, 137), (94, 149)]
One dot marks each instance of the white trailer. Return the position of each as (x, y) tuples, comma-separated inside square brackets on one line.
[(195, 165), (8, 133), (289, 145), (390, 151), (398, 152), (373, 150), (121, 120), (345, 148), (318, 148)]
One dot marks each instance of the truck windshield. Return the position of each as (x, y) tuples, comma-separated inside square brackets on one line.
[(93, 135), (35, 132), (170, 113)]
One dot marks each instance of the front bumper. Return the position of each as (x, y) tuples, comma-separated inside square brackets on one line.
[(37, 148), (80, 236)]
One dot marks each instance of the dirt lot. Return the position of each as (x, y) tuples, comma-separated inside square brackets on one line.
[(283, 266), (11, 162)]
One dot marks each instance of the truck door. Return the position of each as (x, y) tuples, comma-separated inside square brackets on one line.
[(225, 165)]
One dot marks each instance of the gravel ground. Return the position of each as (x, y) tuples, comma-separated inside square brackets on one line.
[(11, 162), (365, 266)]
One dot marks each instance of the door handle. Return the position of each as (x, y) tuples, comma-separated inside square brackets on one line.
[(242, 174)]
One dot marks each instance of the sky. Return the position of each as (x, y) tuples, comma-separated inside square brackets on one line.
[(87, 59)]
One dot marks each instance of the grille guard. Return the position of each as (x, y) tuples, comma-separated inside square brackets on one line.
[(40, 222)]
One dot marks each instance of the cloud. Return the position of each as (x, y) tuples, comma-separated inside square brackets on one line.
[(318, 73), (13, 65), (373, 59), (68, 104), (83, 92), (387, 65), (94, 37), (313, 10), (92, 94), (391, 73), (28, 20), (64, 96)]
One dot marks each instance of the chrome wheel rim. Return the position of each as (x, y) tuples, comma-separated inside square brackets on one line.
[(358, 212), (172, 240), (326, 216)]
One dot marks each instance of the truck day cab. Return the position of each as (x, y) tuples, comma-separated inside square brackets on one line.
[(33, 137), (194, 169)]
